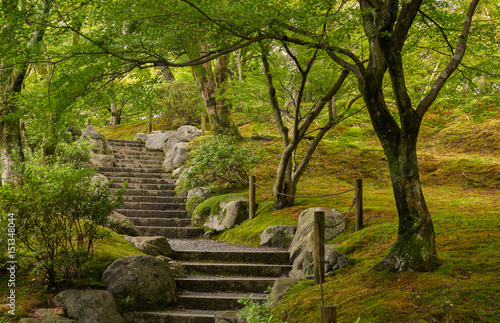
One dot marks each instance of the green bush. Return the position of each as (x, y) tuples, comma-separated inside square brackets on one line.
[(58, 211), (219, 160)]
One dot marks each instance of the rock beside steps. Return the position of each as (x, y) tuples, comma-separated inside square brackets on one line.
[(150, 200), (216, 281)]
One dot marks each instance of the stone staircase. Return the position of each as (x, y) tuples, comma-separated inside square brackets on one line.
[(150, 200), (216, 281), (218, 274)]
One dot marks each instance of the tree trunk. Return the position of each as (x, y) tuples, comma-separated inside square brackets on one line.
[(114, 113), (212, 87)]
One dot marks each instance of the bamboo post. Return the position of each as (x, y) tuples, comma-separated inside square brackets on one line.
[(359, 204), (203, 124), (328, 314), (319, 247), (251, 197)]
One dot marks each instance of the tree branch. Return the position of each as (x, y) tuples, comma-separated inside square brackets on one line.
[(426, 102)]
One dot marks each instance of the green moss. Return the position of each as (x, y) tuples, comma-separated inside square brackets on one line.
[(210, 206), (192, 203)]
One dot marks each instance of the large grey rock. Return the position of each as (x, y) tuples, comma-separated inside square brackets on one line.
[(227, 317), (156, 139), (280, 287), (176, 266), (176, 173), (278, 236), (142, 137), (89, 306), (100, 160), (140, 282), (97, 140), (99, 179), (187, 133), (198, 191), (303, 265), (304, 237), (122, 225), (231, 213), (176, 156), (170, 142), (153, 246)]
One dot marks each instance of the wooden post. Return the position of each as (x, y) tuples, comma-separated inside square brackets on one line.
[(359, 204), (328, 314), (88, 122), (319, 247), (203, 123), (251, 197)]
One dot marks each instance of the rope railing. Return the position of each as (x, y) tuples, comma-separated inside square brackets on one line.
[(356, 202)]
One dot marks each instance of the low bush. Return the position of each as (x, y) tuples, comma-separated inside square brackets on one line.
[(58, 212)]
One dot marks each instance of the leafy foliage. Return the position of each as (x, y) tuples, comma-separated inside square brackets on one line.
[(255, 312), (58, 210), (182, 102), (219, 159)]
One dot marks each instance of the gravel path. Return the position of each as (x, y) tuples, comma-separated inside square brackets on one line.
[(211, 245)]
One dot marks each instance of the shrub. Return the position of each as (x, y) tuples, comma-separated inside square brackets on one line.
[(219, 159), (58, 211)]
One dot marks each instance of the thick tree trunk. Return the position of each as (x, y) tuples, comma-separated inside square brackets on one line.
[(415, 248), (212, 86)]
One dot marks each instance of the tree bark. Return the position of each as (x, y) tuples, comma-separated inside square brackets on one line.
[(212, 87)]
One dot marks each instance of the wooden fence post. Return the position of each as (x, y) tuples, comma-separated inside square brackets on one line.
[(328, 314), (251, 197), (203, 123), (319, 247), (359, 204), (88, 122)]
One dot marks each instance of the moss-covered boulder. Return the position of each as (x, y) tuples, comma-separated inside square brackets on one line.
[(220, 213)]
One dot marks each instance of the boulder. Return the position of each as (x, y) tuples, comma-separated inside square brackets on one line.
[(156, 139), (49, 318), (99, 179), (176, 156), (195, 197), (280, 287), (140, 282), (231, 213), (278, 236), (227, 317), (176, 173), (100, 160), (304, 235), (142, 137), (187, 133), (122, 225), (176, 267), (89, 306), (153, 246), (169, 143), (303, 265), (98, 141)]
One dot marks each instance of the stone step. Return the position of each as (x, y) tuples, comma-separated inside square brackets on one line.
[(111, 174), (139, 186), (161, 222), (142, 180), (134, 162), (214, 301), (122, 142), (172, 232), (154, 199), (135, 192), (225, 284), (152, 206), (258, 257), (176, 316), (120, 157), (165, 214), (143, 153), (129, 170), (237, 269), (129, 147)]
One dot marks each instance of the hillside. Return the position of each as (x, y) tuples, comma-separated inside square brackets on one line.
[(460, 170)]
